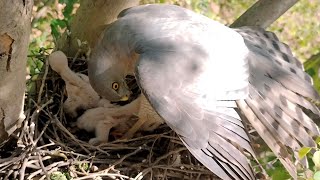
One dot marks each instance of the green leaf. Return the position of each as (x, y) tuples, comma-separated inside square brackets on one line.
[(316, 159), (316, 175), (318, 141), (304, 151), (280, 174), (67, 11), (55, 25), (58, 176)]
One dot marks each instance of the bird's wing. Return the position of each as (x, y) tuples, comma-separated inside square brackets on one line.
[(215, 136), (176, 74), (278, 89)]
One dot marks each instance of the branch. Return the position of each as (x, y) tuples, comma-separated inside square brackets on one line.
[(263, 13)]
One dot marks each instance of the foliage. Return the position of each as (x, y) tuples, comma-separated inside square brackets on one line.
[(50, 19), (315, 164), (58, 24), (312, 68), (58, 176)]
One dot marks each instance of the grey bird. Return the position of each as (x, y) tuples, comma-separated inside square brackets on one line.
[(201, 77)]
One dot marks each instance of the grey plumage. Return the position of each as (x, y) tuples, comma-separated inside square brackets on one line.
[(196, 73)]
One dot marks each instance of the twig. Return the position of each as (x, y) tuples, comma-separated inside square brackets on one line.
[(126, 156), (42, 167), (58, 123), (168, 154), (23, 168), (43, 81)]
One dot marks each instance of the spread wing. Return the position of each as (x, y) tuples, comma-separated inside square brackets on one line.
[(194, 90), (212, 132), (278, 89)]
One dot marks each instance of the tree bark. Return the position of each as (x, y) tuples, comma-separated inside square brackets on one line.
[(263, 13), (15, 20), (89, 22)]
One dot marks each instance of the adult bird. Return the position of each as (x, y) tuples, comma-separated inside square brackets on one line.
[(200, 76)]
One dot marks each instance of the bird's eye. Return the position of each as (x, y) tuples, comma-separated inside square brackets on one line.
[(115, 86)]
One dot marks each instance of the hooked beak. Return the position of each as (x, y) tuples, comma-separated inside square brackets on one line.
[(124, 98)]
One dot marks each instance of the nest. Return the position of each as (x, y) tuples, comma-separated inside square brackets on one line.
[(48, 146)]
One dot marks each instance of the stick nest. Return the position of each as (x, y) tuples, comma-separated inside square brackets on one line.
[(49, 146)]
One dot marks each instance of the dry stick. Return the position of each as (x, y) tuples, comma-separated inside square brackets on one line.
[(8, 174), (138, 177), (94, 175), (43, 81), (77, 154), (91, 161), (168, 154), (126, 156), (41, 133), (61, 112), (58, 123), (42, 166), (23, 131), (151, 152), (49, 168), (9, 160), (33, 120), (33, 166), (144, 172), (23, 168), (180, 170), (46, 145), (91, 175)]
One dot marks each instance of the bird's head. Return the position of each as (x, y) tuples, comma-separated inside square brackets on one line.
[(108, 78)]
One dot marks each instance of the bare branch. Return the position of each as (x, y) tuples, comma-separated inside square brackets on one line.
[(263, 13)]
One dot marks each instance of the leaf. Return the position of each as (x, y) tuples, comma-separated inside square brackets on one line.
[(280, 174), (67, 11), (318, 140), (55, 25), (304, 151), (316, 159), (58, 176), (316, 175)]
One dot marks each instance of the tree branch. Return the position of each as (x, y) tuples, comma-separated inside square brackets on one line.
[(263, 13)]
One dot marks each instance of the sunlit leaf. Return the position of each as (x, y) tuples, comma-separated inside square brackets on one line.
[(304, 151), (316, 159), (280, 174), (318, 140), (58, 176)]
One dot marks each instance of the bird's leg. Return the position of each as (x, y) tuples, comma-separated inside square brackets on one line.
[(143, 117), (102, 131), (135, 128)]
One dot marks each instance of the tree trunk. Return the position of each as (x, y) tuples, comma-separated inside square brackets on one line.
[(88, 23), (15, 19)]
